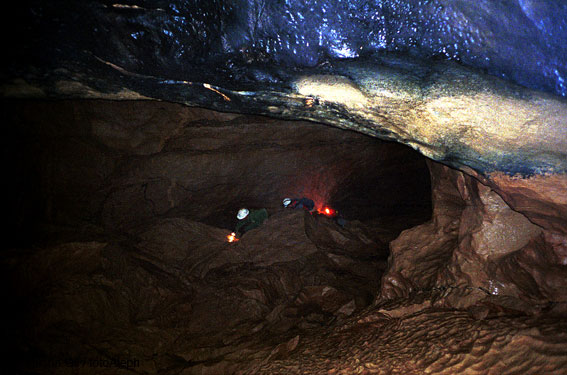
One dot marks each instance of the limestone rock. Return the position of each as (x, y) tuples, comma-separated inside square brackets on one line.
[(475, 240)]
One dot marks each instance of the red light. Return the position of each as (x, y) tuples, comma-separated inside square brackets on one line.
[(327, 211)]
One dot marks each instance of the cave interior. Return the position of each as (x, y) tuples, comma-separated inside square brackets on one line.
[(136, 131), (162, 183)]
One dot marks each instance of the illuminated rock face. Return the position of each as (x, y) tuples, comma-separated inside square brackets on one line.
[(495, 131), (477, 248), (283, 61)]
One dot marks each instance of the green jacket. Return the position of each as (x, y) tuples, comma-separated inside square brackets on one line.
[(254, 219)]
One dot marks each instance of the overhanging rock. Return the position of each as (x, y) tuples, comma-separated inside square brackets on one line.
[(495, 130), (220, 56)]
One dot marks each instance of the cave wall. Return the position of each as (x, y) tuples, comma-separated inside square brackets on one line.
[(85, 168), (498, 231), (488, 114), (104, 166), (175, 294), (181, 39), (123, 193), (478, 248)]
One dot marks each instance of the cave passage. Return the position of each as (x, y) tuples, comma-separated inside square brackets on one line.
[(110, 166), (120, 215), (118, 249), (116, 252)]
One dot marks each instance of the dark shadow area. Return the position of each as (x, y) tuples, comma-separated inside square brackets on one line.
[(119, 216), (389, 191), (86, 168)]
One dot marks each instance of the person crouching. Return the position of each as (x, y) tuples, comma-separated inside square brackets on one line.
[(249, 219), (305, 203)]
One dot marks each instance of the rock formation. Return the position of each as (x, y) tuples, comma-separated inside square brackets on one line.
[(133, 133), (122, 215), (479, 248), (121, 244), (116, 165)]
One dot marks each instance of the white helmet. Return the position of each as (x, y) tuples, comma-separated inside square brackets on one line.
[(286, 202), (242, 213)]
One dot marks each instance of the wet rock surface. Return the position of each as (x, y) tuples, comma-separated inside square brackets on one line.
[(251, 41)]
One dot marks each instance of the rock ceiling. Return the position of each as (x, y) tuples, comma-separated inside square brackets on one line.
[(486, 126)]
